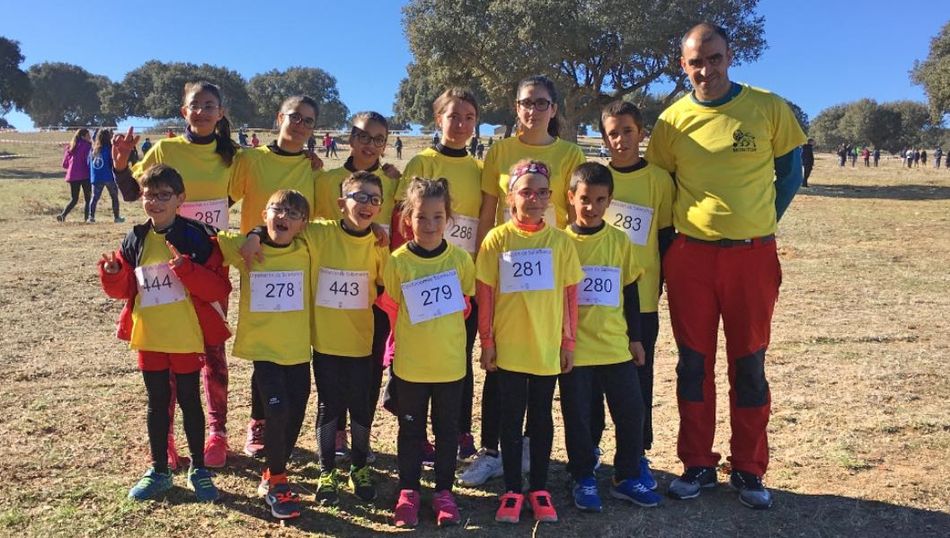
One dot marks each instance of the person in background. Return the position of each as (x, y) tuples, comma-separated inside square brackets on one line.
[(923, 157), (938, 153), (866, 155), (254, 140), (242, 138), (147, 145), (101, 175), (311, 144), (877, 156), (76, 164), (398, 146), (808, 160)]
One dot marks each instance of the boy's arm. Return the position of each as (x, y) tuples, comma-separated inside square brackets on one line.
[(121, 284), (229, 245), (206, 282), (631, 312)]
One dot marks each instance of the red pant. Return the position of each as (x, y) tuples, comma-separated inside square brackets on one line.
[(740, 284)]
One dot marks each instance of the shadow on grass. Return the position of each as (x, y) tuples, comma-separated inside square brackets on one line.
[(883, 192), (23, 173)]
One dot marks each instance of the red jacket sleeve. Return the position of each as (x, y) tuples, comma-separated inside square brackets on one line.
[(396, 236), (120, 285), (208, 282)]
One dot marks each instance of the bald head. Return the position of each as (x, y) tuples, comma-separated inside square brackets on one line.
[(703, 33)]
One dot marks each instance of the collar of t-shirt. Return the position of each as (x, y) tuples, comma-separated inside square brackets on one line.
[(265, 239), (641, 164), (417, 249), (525, 227), (195, 139), (355, 233), (450, 152), (734, 90), (580, 230), (349, 166), (274, 148)]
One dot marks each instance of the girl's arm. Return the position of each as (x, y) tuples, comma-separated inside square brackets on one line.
[(486, 216), (485, 295), (569, 328)]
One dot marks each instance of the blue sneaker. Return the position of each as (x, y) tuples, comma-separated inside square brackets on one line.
[(586, 497), (151, 486), (200, 481), (646, 475), (634, 491), (283, 502)]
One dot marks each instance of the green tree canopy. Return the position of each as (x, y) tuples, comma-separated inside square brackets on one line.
[(890, 126), (66, 94), (15, 85), (934, 74), (268, 90), (595, 50)]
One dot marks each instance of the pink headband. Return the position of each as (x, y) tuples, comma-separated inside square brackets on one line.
[(530, 168)]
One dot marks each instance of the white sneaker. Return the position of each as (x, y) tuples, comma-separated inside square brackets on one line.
[(483, 468), (526, 455)]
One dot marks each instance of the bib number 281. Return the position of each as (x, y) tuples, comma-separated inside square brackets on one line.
[(526, 270)]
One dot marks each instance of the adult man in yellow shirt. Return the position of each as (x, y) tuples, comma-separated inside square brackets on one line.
[(734, 151)]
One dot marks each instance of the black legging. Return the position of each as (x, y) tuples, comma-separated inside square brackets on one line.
[(521, 394), (189, 400), (74, 187), (97, 193), (413, 404), (286, 390), (342, 383)]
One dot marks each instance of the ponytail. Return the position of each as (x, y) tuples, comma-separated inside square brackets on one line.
[(224, 146)]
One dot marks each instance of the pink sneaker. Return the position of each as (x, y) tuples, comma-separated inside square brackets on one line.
[(446, 511), (216, 450), (542, 506), (174, 461), (254, 446), (406, 513), (509, 510)]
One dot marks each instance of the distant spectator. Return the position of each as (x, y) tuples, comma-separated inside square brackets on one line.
[(255, 141), (102, 176), (808, 160), (242, 138), (491, 140), (311, 144), (147, 145), (923, 157), (842, 154), (866, 155), (435, 138), (170, 134), (480, 151), (473, 146), (76, 163), (853, 152), (398, 146), (909, 157), (938, 153), (916, 158), (333, 147), (877, 156)]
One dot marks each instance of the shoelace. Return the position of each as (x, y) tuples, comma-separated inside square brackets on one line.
[(511, 502), (589, 490), (362, 477), (286, 496), (543, 500), (694, 475)]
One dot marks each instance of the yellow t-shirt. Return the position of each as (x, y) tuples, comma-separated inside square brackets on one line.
[(346, 271), (327, 191), (170, 324), (651, 188), (205, 175), (609, 263), (259, 173), (561, 157), (464, 175), (723, 160), (274, 314), (431, 350), (527, 324)]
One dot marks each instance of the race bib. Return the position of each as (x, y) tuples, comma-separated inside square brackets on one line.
[(343, 290), (158, 285), (212, 212), (634, 220), (600, 286), (433, 296), (550, 216), (276, 291), (461, 232), (526, 270)]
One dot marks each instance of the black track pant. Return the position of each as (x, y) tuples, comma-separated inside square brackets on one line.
[(284, 391), (74, 187), (343, 383), (413, 404), (521, 394)]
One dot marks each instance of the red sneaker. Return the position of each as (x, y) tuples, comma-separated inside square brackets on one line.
[(542, 507), (216, 450), (510, 509), (406, 513), (446, 511)]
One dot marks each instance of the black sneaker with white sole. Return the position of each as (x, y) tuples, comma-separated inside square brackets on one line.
[(692, 482), (751, 491)]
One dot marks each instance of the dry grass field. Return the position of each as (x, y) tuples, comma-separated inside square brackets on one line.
[(860, 432)]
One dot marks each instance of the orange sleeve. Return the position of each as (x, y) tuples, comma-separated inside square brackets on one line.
[(569, 327), (485, 295)]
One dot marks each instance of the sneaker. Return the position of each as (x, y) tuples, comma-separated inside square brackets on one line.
[(60, 218), (428, 454), (264, 486), (119, 220), (467, 448), (254, 445), (482, 469), (199, 480), (634, 491), (525, 455), (751, 491), (361, 480), (327, 488), (406, 513), (342, 450), (445, 508), (598, 454), (91, 220), (370, 457), (216, 450), (151, 485), (174, 460), (646, 474), (542, 506), (509, 511), (283, 502), (586, 497), (691, 482)]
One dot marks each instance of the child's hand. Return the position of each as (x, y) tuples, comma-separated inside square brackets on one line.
[(391, 171), (488, 359), (315, 162), (638, 353), (567, 360), (122, 146), (177, 257), (251, 250), (110, 264), (382, 238)]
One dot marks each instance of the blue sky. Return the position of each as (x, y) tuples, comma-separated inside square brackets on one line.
[(820, 53)]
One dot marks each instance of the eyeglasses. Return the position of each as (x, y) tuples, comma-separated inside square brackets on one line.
[(361, 197), (203, 108), (540, 194), (163, 196), (538, 104), (281, 211), (364, 137), (296, 117)]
